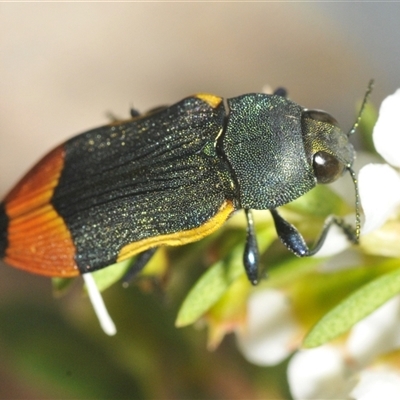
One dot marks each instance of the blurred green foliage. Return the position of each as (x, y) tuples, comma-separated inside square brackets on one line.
[(56, 349)]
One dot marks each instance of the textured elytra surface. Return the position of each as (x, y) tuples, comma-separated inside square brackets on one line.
[(145, 178)]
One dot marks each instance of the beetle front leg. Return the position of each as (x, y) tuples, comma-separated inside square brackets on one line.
[(295, 242)]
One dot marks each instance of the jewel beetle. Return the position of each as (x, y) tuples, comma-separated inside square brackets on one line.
[(170, 177)]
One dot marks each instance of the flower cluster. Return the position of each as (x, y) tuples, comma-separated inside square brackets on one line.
[(366, 363)]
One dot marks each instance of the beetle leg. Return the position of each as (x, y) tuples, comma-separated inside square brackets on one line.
[(134, 113), (141, 260), (251, 255), (295, 242), (280, 91)]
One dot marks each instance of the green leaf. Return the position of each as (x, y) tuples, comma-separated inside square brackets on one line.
[(289, 270), (61, 285), (216, 281), (106, 277), (321, 201), (357, 306), (207, 291)]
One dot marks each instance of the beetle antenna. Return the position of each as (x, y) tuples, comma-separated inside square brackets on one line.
[(366, 97), (352, 173), (357, 195)]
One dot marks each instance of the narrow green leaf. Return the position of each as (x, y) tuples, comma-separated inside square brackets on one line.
[(207, 291), (357, 306), (106, 277), (215, 282), (61, 285), (320, 202), (290, 270)]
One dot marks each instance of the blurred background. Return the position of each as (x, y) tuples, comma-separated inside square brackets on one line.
[(63, 67)]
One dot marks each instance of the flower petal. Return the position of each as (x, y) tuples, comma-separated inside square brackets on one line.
[(386, 133), (377, 384), (271, 328), (98, 304), (318, 373), (335, 242), (379, 187), (376, 334)]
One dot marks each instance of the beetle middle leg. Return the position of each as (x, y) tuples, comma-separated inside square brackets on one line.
[(140, 262), (251, 254)]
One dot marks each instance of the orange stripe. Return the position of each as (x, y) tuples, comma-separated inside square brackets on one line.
[(179, 238), (38, 239), (37, 186)]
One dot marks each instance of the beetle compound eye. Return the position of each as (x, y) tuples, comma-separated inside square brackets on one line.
[(327, 168)]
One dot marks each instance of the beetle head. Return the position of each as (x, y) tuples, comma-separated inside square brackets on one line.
[(327, 146)]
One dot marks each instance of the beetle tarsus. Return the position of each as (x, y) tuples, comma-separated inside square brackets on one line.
[(295, 242)]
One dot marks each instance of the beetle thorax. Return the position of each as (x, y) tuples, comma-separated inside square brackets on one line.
[(263, 143)]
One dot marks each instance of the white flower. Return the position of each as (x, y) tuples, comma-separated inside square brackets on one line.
[(271, 329), (379, 184), (378, 383), (376, 334), (335, 241), (348, 369), (387, 130), (336, 371), (318, 373), (323, 372)]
